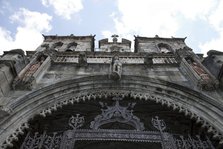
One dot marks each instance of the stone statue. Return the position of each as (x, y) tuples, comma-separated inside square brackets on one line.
[(205, 82), (25, 81), (116, 68), (82, 59), (200, 71), (33, 68)]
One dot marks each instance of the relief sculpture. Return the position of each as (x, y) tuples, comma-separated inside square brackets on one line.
[(26, 79), (116, 68), (205, 81)]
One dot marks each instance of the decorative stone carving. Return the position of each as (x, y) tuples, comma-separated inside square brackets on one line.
[(135, 95), (67, 139), (205, 82), (14, 136), (76, 122), (25, 80), (71, 46), (148, 60), (117, 113), (170, 102), (4, 111), (158, 124), (116, 71), (184, 52), (115, 38), (82, 59)]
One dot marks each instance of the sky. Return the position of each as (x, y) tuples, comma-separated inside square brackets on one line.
[(23, 22)]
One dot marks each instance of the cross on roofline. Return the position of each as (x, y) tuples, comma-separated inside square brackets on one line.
[(114, 36)]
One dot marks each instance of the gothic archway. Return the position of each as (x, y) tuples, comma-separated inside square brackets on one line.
[(114, 121), (48, 99)]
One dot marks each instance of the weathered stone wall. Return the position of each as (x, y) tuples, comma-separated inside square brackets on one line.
[(54, 78), (6, 78), (58, 72), (150, 45)]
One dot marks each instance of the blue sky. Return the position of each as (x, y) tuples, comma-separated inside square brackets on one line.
[(23, 22)]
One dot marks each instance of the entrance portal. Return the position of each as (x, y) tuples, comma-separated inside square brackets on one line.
[(115, 123)]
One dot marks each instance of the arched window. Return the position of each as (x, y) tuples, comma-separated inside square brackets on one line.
[(71, 47), (57, 45), (164, 48)]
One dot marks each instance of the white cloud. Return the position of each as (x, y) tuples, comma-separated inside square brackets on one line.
[(28, 33), (157, 16), (32, 20), (162, 17), (216, 20), (64, 8)]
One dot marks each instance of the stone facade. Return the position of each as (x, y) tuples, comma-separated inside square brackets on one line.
[(68, 69)]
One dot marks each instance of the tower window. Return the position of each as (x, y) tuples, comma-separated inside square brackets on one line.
[(71, 47), (57, 45), (164, 48)]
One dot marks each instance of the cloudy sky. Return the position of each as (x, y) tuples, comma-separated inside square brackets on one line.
[(23, 22)]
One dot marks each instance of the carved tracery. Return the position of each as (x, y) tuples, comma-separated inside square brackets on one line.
[(117, 113), (67, 139), (135, 95)]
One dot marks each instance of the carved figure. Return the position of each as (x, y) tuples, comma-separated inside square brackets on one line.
[(82, 59), (200, 71), (25, 81), (116, 68), (33, 68), (205, 82)]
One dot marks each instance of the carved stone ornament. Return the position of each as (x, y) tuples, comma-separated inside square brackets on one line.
[(116, 68), (5, 111), (126, 135), (82, 59), (205, 81), (117, 113), (67, 139), (76, 122), (25, 81)]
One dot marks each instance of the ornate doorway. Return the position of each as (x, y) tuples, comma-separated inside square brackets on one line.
[(115, 123)]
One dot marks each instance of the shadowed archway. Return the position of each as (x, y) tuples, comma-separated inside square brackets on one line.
[(47, 99)]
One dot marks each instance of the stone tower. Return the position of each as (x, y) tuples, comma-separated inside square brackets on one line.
[(67, 94)]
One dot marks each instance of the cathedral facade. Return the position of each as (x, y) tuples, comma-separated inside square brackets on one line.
[(67, 94)]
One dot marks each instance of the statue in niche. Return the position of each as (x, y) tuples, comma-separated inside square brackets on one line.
[(33, 68), (25, 81), (116, 68), (205, 82), (82, 59), (198, 69)]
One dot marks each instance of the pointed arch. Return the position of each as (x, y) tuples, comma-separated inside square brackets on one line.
[(45, 100), (165, 48)]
